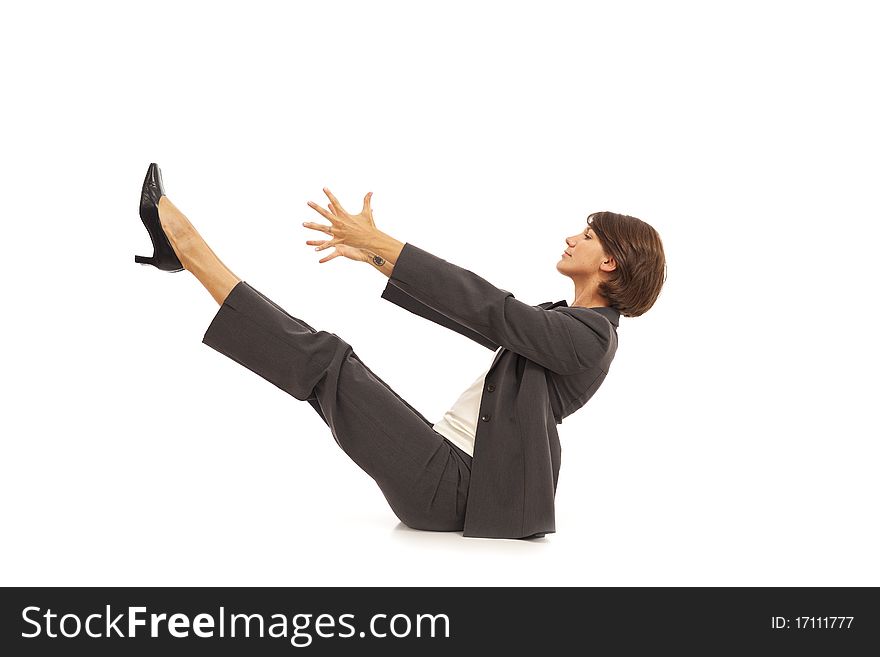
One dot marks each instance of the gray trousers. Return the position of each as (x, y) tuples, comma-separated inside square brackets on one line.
[(423, 476)]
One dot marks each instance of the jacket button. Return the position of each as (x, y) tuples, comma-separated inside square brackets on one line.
[(490, 387), (485, 418)]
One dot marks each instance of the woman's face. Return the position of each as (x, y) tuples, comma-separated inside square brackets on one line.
[(583, 254)]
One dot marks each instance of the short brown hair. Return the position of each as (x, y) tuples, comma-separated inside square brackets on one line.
[(633, 287)]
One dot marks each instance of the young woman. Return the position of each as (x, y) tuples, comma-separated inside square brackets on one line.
[(490, 467)]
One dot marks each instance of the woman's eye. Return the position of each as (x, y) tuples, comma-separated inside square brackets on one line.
[(586, 235)]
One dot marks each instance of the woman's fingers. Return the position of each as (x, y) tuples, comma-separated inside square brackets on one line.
[(339, 250), (322, 227), (334, 209), (367, 198), (334, 202), (320, 245), (321, 211)]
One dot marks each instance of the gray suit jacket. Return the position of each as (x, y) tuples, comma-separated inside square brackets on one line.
[(553, 360)]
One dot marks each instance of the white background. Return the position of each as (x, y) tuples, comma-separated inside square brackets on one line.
[(734, 441)]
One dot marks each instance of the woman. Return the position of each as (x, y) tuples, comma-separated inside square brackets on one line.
[(490, 467)]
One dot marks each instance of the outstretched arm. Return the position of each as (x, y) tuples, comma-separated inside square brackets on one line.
[(565, 342)]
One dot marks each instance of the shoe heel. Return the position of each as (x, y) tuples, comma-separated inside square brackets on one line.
[(144, 260)]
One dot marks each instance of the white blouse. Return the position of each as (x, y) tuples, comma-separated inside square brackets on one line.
[(459, 423)]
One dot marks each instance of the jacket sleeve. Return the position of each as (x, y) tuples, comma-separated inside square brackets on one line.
[(558, 340), (397, 296)]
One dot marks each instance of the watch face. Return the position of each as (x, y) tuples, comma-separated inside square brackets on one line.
[(379, 260)]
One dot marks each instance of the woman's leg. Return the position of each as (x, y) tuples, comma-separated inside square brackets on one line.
[(194, 253), (423, 477)]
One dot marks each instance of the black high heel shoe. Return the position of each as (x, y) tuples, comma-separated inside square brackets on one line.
[(164, 257)]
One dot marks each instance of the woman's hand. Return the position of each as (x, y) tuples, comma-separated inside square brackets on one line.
[(358, 255), (349, 233)]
